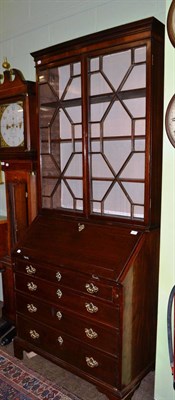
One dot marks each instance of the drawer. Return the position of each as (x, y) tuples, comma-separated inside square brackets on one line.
[(97, 335), (90, 284), (96, 310), (64, 347)]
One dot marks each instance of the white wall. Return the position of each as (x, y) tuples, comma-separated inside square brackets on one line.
[(29, 25)]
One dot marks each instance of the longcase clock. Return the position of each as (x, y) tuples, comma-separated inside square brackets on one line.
[(18, 143)]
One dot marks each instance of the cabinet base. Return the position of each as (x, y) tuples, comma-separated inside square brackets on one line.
[(110, 392)]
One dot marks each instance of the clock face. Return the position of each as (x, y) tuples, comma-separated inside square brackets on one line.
[(170, 120), (12, 124)]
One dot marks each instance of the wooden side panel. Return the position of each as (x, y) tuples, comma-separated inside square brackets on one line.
[(140, 310)]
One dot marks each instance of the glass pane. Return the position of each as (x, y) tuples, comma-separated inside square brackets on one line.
[(137, 107), (117, 152), (117, 121), (47, 95), (94, 64), (66, 197), (140, 127), (59, 78), (74, 114), (135, 168), (75, 166), (97, 111), (78, 131), (74, 89), (43, 76), (138, 212), (136, 78), (140, 145), (140, 54), (115, 66), (98, 85), (44, 147), (99, 189), (135, 191), (46, 115), (45, 134), (96, 207), (99, 167), (95, 129), (49, 166), (66, 154), (117, 203), (117, 129), (61, 147), (76, 188)]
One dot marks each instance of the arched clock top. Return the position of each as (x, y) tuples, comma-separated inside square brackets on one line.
[(17, 115)]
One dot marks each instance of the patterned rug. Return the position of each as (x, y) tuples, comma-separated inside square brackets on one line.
[(18, 382)]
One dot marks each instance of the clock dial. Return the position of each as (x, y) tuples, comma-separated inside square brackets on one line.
[(170, 121), (12, 125)]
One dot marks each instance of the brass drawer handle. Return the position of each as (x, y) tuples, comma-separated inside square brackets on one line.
[(91, 288), (34, 334), (81, 227), (60, 340), (30, 270), (59, 293), (91, 308), (90, 333), (91, 362), (31, 286), (58, 276), (59, 315), (31, 308)]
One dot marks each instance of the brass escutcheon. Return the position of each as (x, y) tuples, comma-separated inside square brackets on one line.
[(58, 276), (34, 334), (91, 308), (31, 286), (81, 227), (31, 308), (59, 315), (30, 269), (90, 333), (91, 362), (59, 293), (91, 288), (60, 340)]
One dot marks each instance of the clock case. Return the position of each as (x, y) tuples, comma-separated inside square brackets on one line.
[(19, 165), (15, 88)]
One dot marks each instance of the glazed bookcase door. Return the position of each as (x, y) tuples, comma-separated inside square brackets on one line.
[(114, 102), (61, 137), (117, 130)]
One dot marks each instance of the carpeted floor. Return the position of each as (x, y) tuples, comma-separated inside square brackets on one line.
[(76, 385), (17, 382)]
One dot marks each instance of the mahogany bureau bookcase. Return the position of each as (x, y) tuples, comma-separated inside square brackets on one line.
[(86, 271)]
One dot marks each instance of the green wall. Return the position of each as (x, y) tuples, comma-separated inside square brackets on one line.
[(163, 383)]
